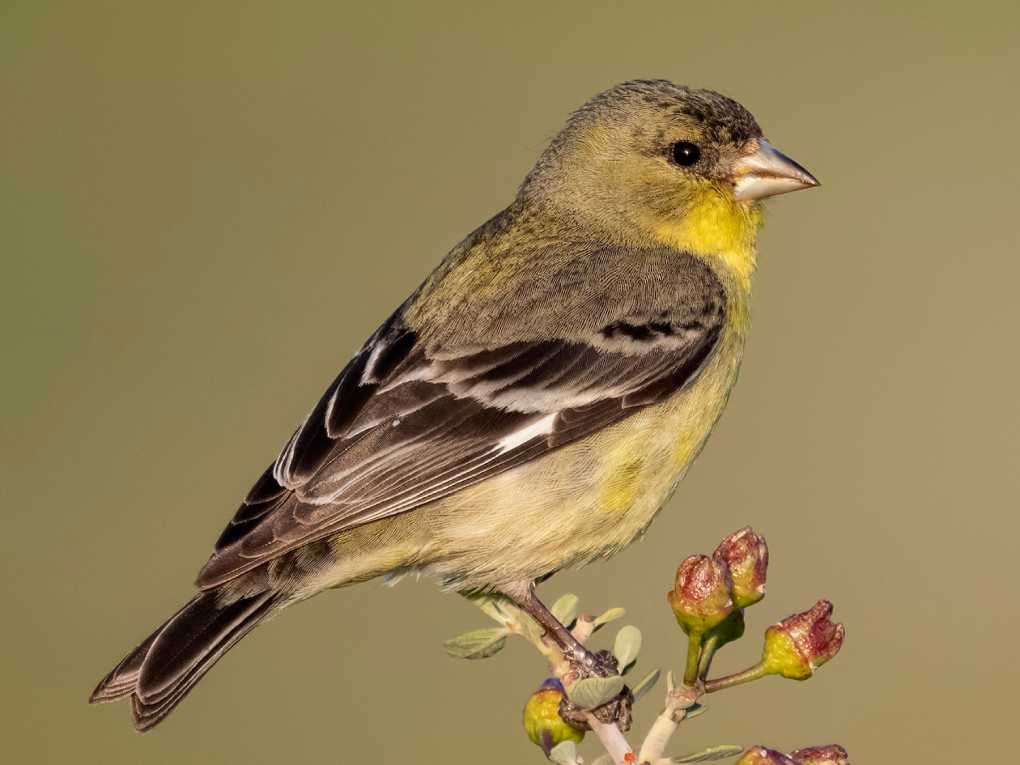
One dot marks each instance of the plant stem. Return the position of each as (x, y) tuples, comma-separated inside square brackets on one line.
[(707, 654), (693, 658), (613, 740), (609, 734), (678, 701), (738, 678)]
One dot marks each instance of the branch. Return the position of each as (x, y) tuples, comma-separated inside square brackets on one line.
[(679, 701), (708, 599), (612, 738)]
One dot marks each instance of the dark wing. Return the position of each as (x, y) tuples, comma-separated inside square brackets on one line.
[(402, 426)]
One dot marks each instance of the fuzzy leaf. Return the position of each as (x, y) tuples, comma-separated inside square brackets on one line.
[(530, 629), (609, 616), (645, 684), (477, 644), (565, 608), (627, 646), (595, 691), (494, 608), (711, 754), (564, 753)]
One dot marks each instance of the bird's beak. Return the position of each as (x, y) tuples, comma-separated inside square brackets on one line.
[(766, 171)]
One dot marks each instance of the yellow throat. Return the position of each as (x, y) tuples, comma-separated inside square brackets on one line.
[(720, 229)]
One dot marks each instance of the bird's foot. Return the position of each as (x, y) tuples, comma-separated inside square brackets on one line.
[(594, 664), (616, 710)]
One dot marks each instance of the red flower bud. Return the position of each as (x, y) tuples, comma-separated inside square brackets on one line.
[(700, 598), (747, 556), (759, 755), (799, 644), (833, 754)]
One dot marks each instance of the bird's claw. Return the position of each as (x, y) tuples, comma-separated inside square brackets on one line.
[(597, 664), (616, 710)]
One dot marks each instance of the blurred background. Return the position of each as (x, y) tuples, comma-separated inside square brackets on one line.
[(206, 207)]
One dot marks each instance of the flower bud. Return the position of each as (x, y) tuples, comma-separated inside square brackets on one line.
[(700, 598), (799, 644), (833, 754), (747, 556), (759, 755), (542, 721), (731, 628)]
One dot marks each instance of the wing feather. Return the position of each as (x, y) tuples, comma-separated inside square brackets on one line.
[(404, 425)]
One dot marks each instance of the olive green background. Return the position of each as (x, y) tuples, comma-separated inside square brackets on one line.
[(206, 207)]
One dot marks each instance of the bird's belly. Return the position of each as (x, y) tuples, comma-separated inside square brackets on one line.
[(583, 501)]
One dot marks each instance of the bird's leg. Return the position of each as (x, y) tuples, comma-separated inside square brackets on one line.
[(526, 599), (583, 663)]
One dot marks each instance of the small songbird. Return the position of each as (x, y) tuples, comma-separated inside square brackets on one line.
[(530, 407)]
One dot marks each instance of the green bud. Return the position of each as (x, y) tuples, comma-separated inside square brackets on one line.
[(542, 721)]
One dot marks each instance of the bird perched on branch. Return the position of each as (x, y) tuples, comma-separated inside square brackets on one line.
[(530, 407)]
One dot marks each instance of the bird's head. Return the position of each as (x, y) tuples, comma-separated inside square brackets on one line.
[(649, 160)]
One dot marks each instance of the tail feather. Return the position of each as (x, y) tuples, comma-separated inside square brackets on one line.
[(122, 679), (161, 671)]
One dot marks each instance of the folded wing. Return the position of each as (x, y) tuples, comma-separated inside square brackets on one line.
[(404, 425)]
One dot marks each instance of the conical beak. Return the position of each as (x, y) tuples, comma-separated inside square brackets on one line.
[(767, 172)]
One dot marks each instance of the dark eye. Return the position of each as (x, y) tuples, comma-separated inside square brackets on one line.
[(686, 153)]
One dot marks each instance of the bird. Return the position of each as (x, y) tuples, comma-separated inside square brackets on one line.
[(530, 407)]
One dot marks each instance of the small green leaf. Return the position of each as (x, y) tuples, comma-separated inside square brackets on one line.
[(711, 754), (564, 753), (646, 684), (696, 711), (477, 644), (627, 646), (565, 608), (530, 629), (595, 691), (494, 608), (609, 616)]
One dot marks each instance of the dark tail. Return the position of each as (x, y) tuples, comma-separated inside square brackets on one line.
[(161, 671)]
